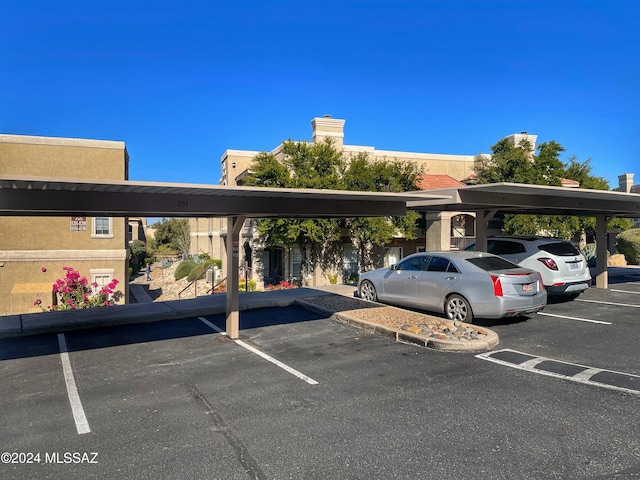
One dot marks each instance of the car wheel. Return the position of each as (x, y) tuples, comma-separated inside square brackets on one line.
[(457, 308), (368, 291)]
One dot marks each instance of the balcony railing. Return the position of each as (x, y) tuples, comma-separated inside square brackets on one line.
[(459, 243)]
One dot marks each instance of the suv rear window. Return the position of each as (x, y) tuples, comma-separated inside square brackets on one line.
[(505, 247), (492, 263), (562, 249)]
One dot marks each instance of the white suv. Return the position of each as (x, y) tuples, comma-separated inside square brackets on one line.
[(563, 268)]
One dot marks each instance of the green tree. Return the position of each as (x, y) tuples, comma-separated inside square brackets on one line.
[(321, 166), (581, 172), (138, 252), (518, 164), (304, 165), (371, 234), (174, 234)]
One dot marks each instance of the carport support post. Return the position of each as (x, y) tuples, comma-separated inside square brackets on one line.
[(482, 221), (232, 326), (602, 276)]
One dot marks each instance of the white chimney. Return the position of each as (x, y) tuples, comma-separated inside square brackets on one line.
[(625, 182), (327, 127)]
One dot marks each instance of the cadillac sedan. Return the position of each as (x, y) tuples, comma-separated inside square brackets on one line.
[(462, 284)]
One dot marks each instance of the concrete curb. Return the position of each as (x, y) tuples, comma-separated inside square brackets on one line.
[(472, 346), (13, 326), (22, 325)]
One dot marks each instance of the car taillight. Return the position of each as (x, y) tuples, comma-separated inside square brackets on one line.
[(549, 263), (497, 285)]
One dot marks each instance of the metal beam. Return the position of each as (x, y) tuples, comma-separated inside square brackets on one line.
[(42, 197)]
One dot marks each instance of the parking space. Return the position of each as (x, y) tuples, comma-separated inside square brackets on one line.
[(599, 329), (179, 399)]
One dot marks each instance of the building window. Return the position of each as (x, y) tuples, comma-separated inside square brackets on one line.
[(394, 254), (102, 277), (102, 227), (102, 281), (350, 264), (296, 263)]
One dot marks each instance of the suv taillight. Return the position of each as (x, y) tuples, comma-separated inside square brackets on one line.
[(497, 285), (548, 262)]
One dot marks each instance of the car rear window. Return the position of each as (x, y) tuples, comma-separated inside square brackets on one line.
[(492, 263), (505, 247), (562, 249)]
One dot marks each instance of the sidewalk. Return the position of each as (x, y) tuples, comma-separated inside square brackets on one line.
[(145, 311)]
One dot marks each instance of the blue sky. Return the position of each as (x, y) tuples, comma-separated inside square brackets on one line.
[(180, 82)]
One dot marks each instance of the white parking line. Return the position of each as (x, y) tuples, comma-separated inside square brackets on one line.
[(624, 291), (82, 425), (608, 303), (580, 377), (587, 374), (285, 367), (575, 318)]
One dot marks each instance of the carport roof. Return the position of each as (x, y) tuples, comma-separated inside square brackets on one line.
[(39, 196), (532, 199)]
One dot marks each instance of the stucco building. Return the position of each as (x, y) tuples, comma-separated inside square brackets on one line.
[(33, 250), (270, 265), (625, 184)]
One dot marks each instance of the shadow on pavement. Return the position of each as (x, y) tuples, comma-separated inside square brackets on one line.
[(47, 344)]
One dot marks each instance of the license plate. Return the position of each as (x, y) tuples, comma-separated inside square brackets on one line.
[(527, 287), (574, 266)]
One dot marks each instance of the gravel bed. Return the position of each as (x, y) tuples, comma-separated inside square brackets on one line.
[(397, 318)]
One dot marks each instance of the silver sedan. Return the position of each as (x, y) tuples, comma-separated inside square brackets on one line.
[(462, 284)]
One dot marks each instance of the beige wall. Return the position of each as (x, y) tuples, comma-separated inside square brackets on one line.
[(236, 162), (205, 237), (63, 157), (27, 233), (29, 245)]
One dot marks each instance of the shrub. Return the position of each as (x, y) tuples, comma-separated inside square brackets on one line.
[(629, 245), (198, 270), (352, 277), (184, 268), (75, 292), (283, 285), (242, 285), (138, 251), (333, 278)]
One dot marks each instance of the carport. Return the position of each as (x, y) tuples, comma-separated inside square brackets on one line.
[(56, 197), (486, 200)]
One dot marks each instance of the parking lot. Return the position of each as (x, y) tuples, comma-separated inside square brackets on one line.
[(302, 396)]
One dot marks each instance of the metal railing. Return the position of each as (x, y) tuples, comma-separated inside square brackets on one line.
[(195, 283), (212, 290), (459, 243)]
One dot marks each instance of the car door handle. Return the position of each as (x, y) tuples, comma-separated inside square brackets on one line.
[(413, 277), (449, 278)]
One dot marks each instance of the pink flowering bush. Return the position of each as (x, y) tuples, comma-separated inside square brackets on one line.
[(74, 292), (283, 285)]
